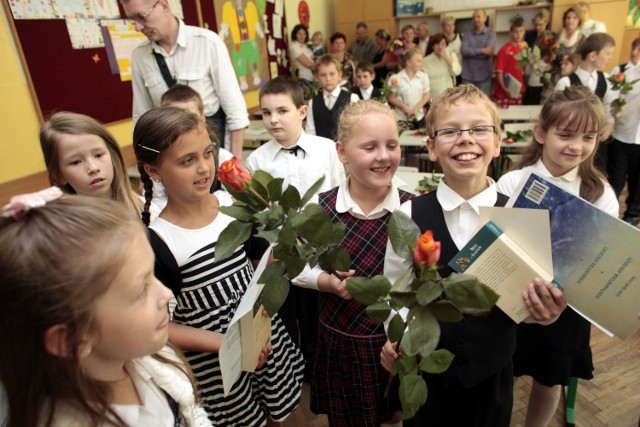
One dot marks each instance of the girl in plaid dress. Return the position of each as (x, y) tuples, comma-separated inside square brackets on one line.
[(348, 381)]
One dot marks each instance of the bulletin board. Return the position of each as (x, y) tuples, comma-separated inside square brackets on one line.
[(80, 80)]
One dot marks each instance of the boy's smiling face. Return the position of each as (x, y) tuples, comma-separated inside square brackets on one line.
[(465, 160)]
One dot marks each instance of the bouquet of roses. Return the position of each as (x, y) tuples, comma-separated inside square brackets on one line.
[(619, 83), (540, 55), (427, 299)]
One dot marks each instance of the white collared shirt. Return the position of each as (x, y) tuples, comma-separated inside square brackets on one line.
[(570, 181), (345, 204), (366, 93), (320, 158), (409, 91), (627, 127), (311, 126), (590, 80), (461, 216), (200, 60)]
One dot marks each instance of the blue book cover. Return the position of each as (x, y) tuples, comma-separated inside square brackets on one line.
[(594, 255)]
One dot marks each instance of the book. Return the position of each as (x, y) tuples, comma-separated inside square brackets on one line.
[(594, 255), (248, 333), (500, 263), (513, 85)]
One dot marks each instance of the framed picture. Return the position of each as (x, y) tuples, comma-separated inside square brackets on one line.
[(408, 7)]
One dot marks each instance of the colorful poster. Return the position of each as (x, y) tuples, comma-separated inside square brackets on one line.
[(84, 33), (72, 9), (104, 9), (32, 9), (123, 38)]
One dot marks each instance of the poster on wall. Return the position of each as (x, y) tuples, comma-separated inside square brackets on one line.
[(241, 27)]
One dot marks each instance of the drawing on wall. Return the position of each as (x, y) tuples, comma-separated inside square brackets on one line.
[(243, 31)]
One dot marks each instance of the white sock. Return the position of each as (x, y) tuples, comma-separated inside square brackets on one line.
[(543, 402)]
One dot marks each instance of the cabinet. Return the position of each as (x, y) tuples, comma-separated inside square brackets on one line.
[(376, 13)]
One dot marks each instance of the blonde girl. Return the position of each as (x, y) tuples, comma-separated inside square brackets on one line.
[(172, 146), (349, 381), (410, 90), (83, 157), (84, 320), (566, 139)]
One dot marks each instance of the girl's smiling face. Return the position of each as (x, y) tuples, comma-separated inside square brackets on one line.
[(563, 149)]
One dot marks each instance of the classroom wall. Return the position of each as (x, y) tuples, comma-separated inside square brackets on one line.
[(20, 154)]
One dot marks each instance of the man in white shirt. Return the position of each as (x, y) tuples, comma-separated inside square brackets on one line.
[(193, 56)]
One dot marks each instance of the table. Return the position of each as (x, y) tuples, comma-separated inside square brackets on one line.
[(410, 139), (519, 113)]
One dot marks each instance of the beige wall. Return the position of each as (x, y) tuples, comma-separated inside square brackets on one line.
[(20, 154)]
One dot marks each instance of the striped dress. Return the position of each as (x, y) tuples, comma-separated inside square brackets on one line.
[(209, 295), (348, 380)]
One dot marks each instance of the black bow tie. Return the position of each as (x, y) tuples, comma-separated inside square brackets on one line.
[(294, 150)]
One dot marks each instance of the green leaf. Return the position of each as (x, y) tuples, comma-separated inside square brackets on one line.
[(313, 190), (403, 233), (263, 178), (271, 218), (314, 225), (259, 188), (274, 294), (413, 394), (367, 291), (234, 235), (294, 265), (428, 292), (245, 197), (403, 299), (287, 235), (240, 211), (290, 199), (402, 283), (270, 236), (404, 365), (468, 294), (378, 312), (273, 271), (446, 312), (335, 259), (396, 328), (422, 334), (437, 362), (275, 189)]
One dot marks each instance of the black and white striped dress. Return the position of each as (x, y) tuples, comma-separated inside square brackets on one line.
[(209, 295)]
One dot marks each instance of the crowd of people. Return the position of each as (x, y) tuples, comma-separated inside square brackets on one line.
[(114, 307)]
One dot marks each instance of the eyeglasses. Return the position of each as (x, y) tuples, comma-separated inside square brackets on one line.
[(479, 133), (142, 18)]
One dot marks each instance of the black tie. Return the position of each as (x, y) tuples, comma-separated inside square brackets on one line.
[(294, 150)]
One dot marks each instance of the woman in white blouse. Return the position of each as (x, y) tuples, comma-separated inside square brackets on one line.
[(301, 55), (441, 66)]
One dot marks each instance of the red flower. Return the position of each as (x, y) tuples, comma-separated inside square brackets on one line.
[(233, 174), (426, 251), (619, 77)]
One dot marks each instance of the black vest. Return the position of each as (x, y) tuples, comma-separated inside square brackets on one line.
[(375, 93), (601, 86), (326, 120), (482, 345)]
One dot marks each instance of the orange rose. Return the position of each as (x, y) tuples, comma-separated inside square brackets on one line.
[(233, 174), (619, 77), (426, 251)]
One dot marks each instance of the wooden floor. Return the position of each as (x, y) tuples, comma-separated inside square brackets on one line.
[(611, 398)]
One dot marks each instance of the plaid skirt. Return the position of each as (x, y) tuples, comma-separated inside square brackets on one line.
[(349, 381)]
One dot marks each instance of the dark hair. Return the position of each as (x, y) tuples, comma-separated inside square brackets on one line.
[(595, 43), (298, 28), (336, 36), (154, 133), (436, 39), (362, 25), (366, 66), (574, 109), (287, 86), (518, 22), (566, 12), (383, 34), (182, 93), (635, 43)]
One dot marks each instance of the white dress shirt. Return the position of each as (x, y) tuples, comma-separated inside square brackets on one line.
[(295, 50), (366, 93), (345, 204), (200, 60), (590, 80), (570, 181), (317, 157), (311, 126), (410, 91), (627, 127), (441, 75)]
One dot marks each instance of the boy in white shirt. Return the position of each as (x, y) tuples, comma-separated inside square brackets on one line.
[(300, 159), (365, 74)]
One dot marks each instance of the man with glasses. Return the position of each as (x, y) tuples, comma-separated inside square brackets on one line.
[(193, 56)]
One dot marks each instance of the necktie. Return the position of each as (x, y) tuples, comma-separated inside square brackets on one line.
[(294, 150), (329, 101)]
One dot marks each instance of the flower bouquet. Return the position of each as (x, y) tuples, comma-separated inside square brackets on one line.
[(539, 56), (427, 299), (299, 237), (619, 83)]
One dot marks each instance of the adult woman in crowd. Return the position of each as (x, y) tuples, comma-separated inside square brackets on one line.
[(339, 50), (441, 66), (384, 62), (569, 39), (301, 54), (454, 40)]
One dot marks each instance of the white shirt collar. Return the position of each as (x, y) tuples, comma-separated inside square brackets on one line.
[(450, 200), (344, 202), (584, 75), (180, 41), (367, 91), (275, 148), (570, 176), (334, 92)]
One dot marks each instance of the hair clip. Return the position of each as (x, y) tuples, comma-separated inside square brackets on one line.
[(20, 204), (150, 149)]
